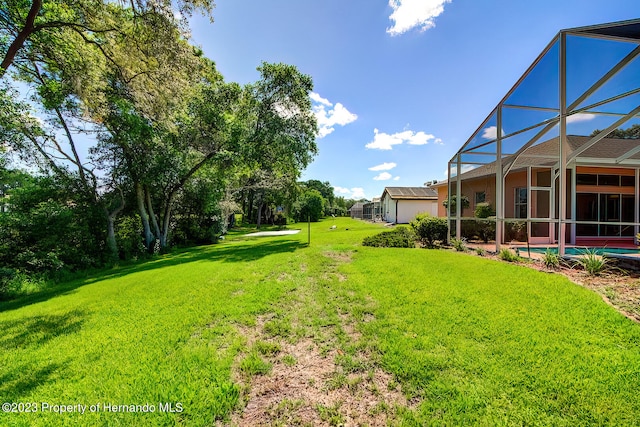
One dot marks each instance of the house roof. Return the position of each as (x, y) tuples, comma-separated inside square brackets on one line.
[(606, 151), (411, 193)]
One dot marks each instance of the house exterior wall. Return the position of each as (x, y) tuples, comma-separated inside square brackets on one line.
[(408, 209), (469, 188), (539, 204), (514, 180), (442, 196), (388, 208)]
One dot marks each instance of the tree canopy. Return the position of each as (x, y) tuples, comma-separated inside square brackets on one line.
[(128, 123), (632, 132)]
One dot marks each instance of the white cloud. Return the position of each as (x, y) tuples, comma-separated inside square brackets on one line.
[(385, 141), (580, 117), (357, 193), (317, 98), (490, 132), (328, 115), (384, 176), (397, 178), (420, 138), (409, 14), (350, 193), (383, 167)]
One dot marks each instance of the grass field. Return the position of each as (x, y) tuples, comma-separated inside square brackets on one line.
[(466, 340)]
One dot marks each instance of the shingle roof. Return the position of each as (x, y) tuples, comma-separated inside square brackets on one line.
[(408, 193)]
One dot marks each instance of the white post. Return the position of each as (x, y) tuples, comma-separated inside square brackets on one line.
[(562, 179), (499, 187)]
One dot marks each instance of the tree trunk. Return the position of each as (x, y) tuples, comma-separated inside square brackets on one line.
[(166, 218), (111, 238), (267, 215), (144, 216), (111, 231), (250, 211), (22, 37), (244, 205), (260, 205), (152, 214)]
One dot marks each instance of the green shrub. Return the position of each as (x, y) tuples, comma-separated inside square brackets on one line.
[(310, 205), (49, 228), (486, 229), (399, 237), (6, 276), (129, 237), (551, 259), (454, 202), (481, 251), (14, 284), (430, 229), (459, 244), (280, 219), (593, 263), (483, 210), (515, 231), (508, 255)]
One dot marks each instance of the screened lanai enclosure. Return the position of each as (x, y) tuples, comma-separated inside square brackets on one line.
[(557, 162)]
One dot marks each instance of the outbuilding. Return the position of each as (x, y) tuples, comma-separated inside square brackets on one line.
[(401, 204)]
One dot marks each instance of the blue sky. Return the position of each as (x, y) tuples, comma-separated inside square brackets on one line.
[(400, 85)]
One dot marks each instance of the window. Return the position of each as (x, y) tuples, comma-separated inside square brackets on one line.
[(627, 181), (606, 180), (586, 179), (603, 208), (480, 197), (520, 203), (612, 180)]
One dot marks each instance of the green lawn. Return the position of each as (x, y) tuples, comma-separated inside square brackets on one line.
[(469, 340)]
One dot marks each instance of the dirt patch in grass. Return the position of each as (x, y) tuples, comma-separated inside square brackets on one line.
[(316, 386), (341, 256), (311, 386), (321, 373)]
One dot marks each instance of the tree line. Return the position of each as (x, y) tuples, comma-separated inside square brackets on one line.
[(119, 138)]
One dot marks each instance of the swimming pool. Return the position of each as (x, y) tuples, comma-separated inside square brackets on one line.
[(580, 251)]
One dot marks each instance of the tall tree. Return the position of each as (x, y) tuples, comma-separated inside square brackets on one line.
[(280, 128), (79, 58), (27, 26)]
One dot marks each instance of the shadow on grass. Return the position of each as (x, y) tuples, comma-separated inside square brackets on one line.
[(239, 251), (37, 330), (21, 381)]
